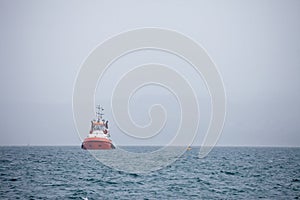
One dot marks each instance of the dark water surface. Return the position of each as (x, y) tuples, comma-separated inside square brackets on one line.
[(226, 173)]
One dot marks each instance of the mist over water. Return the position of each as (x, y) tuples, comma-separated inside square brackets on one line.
[(255, 46), (226, 173)]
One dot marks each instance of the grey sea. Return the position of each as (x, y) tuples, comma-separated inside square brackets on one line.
[(226, 173)]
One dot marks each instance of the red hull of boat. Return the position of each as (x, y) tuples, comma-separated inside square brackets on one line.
[(97, 144)]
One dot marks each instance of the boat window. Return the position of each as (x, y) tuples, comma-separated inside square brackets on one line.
[(97, 127)]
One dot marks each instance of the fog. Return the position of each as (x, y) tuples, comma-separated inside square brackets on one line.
[(255, 45)]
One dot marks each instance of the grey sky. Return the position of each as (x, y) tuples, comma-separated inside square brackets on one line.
[(255, 45)]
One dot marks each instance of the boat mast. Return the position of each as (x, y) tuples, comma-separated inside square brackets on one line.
[(99, 113)]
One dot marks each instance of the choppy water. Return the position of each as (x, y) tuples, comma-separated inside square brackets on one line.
[(226, 173)]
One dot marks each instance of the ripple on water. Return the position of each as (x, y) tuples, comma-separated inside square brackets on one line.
[(226, 173)]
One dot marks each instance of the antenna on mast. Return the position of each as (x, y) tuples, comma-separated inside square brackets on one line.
[(99, 112)]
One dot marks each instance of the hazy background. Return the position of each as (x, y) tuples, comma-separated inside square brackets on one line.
[(255, 45)]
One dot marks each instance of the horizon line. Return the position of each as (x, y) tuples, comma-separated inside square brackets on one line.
[(132, 145)]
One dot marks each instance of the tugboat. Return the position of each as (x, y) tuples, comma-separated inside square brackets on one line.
[(99, 137)]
